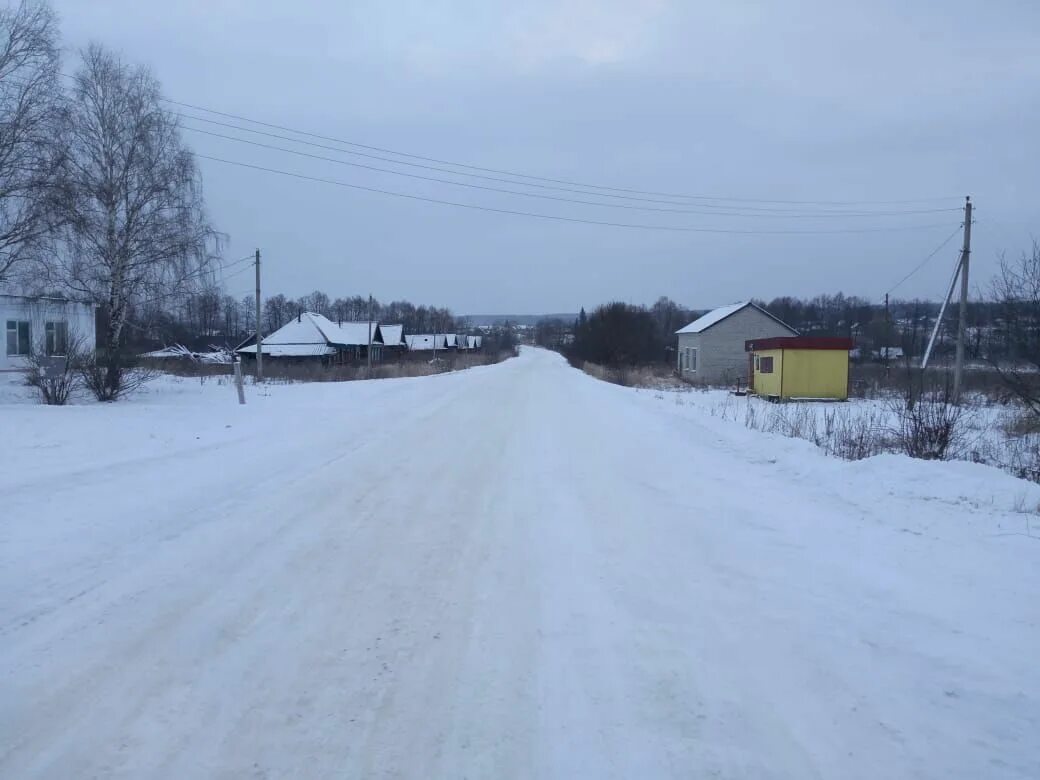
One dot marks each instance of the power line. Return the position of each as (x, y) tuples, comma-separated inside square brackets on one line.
[(922, 264), (551, 197), (671, 228), (568, 182), (720, 210), (572, 183)]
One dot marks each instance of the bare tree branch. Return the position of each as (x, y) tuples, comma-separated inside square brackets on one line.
[(30, 131)]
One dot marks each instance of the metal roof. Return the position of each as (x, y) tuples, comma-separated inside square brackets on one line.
[(421, 341), (799, 342), (393, 335), (290, 350), (715, 316)]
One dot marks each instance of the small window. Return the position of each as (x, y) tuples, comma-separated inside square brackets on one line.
[(56, 335), (756, 362), (17, 337), (693, 359), (765, 365)]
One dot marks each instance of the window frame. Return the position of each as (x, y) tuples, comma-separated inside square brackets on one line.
[(694, 357), (55, 335), (766, 364), (21, 349)]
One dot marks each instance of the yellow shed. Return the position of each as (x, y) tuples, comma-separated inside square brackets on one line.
[(808, 367)]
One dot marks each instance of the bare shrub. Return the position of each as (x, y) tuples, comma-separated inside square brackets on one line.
[(653, 376), (930, 424), (1022, 457), (55, 378), (854, 436), (110, 381), (848, 432)]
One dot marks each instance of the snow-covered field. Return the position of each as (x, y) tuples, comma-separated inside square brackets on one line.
[(511, 571)]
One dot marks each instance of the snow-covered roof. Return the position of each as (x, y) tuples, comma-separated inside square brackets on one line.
[(299, 330), (320, 334), (393, 335), (474, 342), (347, 334), (420, 341), (715, 316), (451, 340), (290, 350)]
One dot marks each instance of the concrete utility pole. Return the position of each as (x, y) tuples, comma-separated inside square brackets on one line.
[(369, 354), (888, 334), (238, 379), (958, 370), (259, 335)]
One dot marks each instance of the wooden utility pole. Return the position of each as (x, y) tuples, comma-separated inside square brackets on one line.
[(958, 370), (259, 334)]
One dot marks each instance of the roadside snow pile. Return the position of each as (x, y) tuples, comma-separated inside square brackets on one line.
[(13, 389), (974, 485)]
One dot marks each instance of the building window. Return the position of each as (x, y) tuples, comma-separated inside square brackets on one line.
[(17, 337), (765, 365), (693, 359), (756, 362), (56, 335)]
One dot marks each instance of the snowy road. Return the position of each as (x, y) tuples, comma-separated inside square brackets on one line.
[(511, 572)]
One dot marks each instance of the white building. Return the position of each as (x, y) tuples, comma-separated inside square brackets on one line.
[(48, 326), (711, 349)]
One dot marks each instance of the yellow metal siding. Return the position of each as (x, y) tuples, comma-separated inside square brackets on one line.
[(816, 373), (769, 384)]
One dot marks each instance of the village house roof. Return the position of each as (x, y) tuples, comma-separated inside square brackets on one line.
[(393, 335), (310, 334), (421, 341), (715, 316), (290, 350), (346, 334)]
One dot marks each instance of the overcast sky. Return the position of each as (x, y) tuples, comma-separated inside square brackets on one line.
[(820, 100)]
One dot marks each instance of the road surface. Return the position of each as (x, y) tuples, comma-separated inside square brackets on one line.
[(515, 571)]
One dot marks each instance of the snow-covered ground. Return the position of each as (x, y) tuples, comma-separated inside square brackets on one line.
[(987, 430), (512, 571)]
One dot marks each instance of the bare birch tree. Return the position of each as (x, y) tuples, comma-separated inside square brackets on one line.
[(30, 113), (131, 199), (1016, 290)]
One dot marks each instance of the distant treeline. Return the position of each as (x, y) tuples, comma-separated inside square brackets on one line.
[(625, 334)]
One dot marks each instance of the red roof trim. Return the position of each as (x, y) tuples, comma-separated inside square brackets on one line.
[(799, 342)]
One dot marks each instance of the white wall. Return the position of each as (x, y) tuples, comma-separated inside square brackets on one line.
[(37, 312), (721, 358)]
